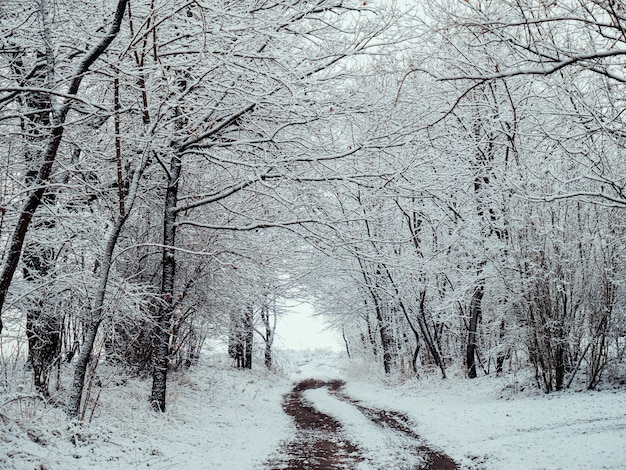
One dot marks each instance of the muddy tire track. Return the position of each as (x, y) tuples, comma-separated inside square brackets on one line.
[(399, 422), (320, 442)]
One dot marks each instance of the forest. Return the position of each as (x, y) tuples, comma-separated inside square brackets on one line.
[(445, 181)]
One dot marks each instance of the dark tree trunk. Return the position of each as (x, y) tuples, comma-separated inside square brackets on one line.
[(80, 372), (371, 338), (233, 338), (248, 336), (423, 325), (385, 337), (430, 344), (502, 354), (472, 337), (86, 350), (345, 340), (32, 203), (44, 345), (269, 335), (43, 327), (240, 352), (43, 323), (237, 339), (416, 349), (166, 309), (386, 340), (268, 357)]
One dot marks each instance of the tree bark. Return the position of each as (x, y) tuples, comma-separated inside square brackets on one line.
[(248, 336), (43, 328), (472, 337), (269, 335), (166, 309), (502, 354), (97, 315), (86, 349), (345, 341)]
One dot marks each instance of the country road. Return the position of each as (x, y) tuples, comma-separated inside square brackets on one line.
[(334, 431)]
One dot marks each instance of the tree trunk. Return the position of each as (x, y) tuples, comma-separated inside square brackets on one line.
[(345, 341), (166, 309), (86, 350), (386, 340), (269, 335), (233, 336), (43, 323), (43, 331), (472, 337), (248, 336), (370, 336), (430, 344), (43, 328), (381, 322), (502, 354)]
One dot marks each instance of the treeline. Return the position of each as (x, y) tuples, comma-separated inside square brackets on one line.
[(497, 241)]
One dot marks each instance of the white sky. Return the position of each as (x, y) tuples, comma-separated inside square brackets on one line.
[(298, 329)]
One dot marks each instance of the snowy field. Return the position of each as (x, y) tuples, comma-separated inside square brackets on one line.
[(221, 418)]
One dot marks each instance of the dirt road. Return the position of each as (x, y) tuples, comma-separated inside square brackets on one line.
[(322, 442)]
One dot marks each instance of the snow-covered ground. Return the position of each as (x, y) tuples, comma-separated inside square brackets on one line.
[(384, 448), (217, 418), (221, 418), (480, 428), (488, 423)]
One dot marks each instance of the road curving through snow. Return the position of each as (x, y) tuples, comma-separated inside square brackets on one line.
[(334, 431)]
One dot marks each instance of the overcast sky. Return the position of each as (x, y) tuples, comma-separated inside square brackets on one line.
[(299, 329)]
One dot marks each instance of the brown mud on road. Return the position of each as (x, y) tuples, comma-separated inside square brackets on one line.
[(320, 442)]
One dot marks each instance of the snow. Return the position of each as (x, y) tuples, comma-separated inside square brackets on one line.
[(319, 364), (486, 423), (479, 426), (223, 418), (218, 417)]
